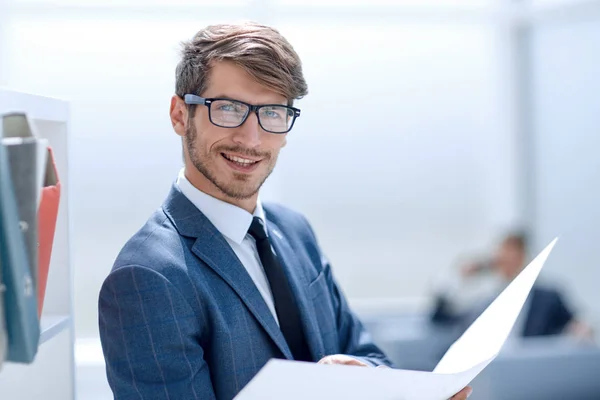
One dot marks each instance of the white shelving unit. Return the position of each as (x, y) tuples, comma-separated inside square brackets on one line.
[(52, 375)]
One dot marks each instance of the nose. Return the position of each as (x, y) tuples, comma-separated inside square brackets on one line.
[(249, 134)]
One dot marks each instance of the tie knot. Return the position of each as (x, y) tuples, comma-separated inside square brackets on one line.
[(257, 229)]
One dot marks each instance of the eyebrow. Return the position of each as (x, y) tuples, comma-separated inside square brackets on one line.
[(224, 96)]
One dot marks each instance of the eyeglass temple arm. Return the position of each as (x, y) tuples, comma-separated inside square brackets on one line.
[(193, 99)]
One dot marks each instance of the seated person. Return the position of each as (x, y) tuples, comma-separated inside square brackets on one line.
[(466, 296)]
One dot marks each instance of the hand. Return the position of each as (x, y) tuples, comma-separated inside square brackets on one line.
[(463, 394), (342, 359), (472, 269), (580, 331)]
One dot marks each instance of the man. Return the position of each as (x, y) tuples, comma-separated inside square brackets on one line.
[(216, 283), (545, 312)]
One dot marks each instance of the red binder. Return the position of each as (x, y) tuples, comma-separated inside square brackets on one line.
[(47, 216)]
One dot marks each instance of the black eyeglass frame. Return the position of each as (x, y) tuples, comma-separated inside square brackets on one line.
[(198, 100)]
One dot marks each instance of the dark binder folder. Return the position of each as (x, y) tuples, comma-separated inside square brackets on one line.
[(22, 157), (20, 300)]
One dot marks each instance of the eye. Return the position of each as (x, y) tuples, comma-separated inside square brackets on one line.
[(274, 112), (230, 107)]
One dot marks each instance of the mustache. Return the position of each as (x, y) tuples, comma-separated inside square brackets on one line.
[(244, 151)]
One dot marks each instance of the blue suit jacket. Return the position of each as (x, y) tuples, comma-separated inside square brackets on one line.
[(180, 318), (548, 314)]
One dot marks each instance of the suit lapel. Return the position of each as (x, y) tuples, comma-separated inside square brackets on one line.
[(218, 255), (212, 248), (293, 269)]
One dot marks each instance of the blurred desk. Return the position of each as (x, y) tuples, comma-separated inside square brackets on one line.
[(549, 368)]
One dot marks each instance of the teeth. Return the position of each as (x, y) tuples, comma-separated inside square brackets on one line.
[(240, 160)]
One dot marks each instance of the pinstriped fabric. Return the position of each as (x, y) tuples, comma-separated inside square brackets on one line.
[(181, 339), (232, 356), (180, 318), (155, 338), (152, 346), (128, 360), (252, 357)]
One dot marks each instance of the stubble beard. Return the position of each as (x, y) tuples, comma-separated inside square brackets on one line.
[(240, 187)]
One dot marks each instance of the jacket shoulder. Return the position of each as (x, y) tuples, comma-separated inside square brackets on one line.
[(154, 245), (283, 215)]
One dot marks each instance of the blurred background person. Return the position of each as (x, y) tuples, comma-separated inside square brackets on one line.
[(438, 122), (474, 285)]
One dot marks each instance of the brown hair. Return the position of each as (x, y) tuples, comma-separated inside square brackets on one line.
[(260, 50), (517, 239)]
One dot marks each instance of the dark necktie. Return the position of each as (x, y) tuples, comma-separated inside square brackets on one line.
[(285, 304)]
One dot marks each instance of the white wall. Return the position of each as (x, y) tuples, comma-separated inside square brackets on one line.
[(415, 164), (4, 18), (395, 193), (566, 166)]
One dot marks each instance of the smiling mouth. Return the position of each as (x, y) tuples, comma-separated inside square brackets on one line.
[(240, 163), (240, 160)]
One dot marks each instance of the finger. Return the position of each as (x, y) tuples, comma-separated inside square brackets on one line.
[(344, 362), (341, 360), (352, 361), (463, 394)]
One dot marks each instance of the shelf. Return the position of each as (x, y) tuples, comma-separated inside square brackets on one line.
[(38, 107), (52, 326), (51, 374)]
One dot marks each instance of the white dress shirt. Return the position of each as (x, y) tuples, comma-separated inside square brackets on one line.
[(233, 222)]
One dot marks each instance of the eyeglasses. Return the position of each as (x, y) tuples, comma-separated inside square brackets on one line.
[(228, 113)]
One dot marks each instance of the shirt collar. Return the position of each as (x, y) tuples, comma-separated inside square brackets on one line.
[(232, 221)]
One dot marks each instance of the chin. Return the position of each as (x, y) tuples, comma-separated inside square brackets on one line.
[(240, 191), (240, 194)]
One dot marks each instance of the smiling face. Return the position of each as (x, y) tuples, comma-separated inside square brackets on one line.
[(228, 163)]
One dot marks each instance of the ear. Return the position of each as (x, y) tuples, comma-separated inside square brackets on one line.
[(179, 114)]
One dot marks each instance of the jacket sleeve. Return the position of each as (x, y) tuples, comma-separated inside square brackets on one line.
[(560, 313), (150, 338), (354, 339)]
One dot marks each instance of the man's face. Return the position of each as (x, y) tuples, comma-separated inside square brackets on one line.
[(510, 259), (236, 161)]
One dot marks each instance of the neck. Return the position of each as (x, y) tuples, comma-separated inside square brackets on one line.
[(200, 182)]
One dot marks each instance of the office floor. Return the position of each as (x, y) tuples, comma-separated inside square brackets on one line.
[(91, 375)]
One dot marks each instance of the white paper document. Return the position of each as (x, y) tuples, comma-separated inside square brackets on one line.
[(466, 358)]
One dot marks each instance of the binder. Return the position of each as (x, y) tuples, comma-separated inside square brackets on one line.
[(18, 128), (18, 125), (3, 335), (22, 157), (20, 300), (47, 217)]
